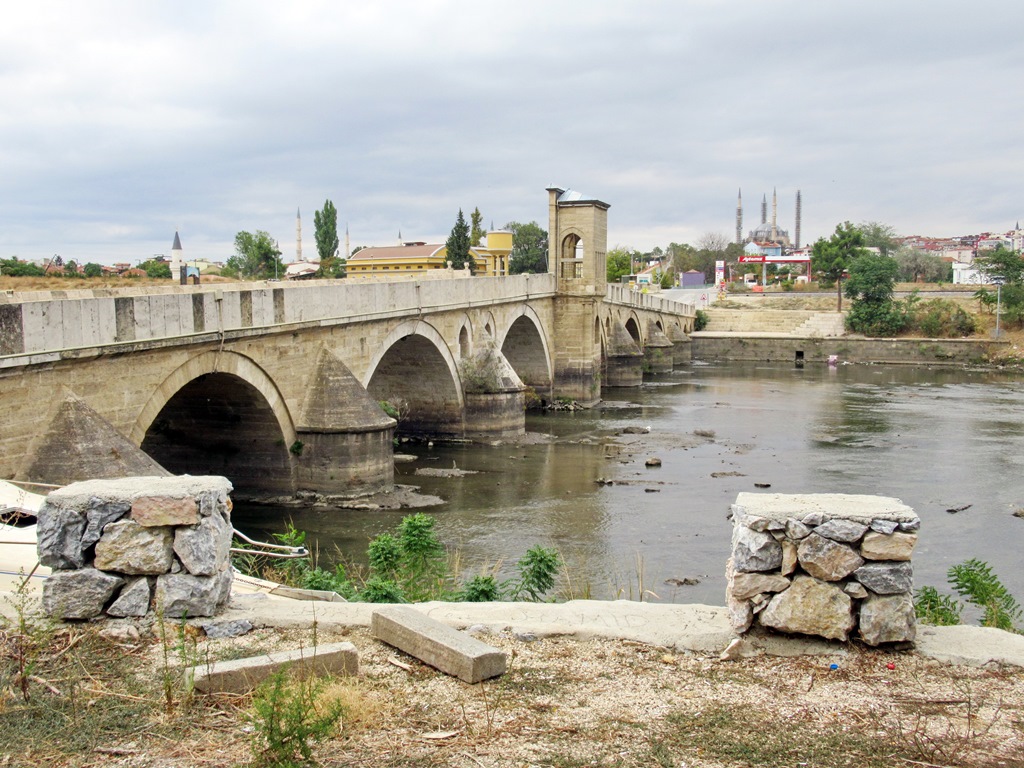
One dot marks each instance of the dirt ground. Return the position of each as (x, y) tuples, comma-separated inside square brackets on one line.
[(564, 703)]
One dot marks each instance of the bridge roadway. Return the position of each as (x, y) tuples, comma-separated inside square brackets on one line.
[(278, 386)]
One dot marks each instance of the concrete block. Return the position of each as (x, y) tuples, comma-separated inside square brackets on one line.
[(437, 644), (243, 675)]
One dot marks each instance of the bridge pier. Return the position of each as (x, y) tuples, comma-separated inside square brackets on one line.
[(657, 350), (682, 347), (624, 359), (344, 440), (493, 395)]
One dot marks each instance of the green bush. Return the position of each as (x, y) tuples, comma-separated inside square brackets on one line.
[(877, 318), (481, 589), (702, 320), (941, 319)]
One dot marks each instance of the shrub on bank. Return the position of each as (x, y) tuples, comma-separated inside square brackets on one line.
[(408, 565)]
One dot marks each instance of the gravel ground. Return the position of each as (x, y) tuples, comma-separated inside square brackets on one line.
[(569, 703)]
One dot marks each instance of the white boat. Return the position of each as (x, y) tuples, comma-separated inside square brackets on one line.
[(18, 559)]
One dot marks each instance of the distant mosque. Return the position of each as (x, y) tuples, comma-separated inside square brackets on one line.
[(768, 231)]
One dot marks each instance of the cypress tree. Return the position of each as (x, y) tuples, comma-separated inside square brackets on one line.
[(458, 245)]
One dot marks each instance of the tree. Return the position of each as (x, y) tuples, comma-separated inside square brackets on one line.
[(14, 267), (477, 233), (156, 269), (712, 241), (620, 262), (1001, 262), (457, 246), (256, 257), (870, 287), (326, 224), (831, 258), (93, 269), (915, 264), (880, 236), (1004, 264), (529, 248)]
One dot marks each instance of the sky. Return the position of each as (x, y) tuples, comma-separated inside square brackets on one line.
[(123, 122)]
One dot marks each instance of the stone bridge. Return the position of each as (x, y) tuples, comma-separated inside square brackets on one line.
[(286, 387)]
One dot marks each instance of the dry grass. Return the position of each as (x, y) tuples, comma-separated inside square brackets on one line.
[(27, 284), (563, 703)]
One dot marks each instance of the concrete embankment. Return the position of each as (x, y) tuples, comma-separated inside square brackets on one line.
[(786, 348)]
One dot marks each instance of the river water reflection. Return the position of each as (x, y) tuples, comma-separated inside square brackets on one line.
[(938, 440)]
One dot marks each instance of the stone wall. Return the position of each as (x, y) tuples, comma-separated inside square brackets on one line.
[(832, 565), (708, 345), (123, 547)]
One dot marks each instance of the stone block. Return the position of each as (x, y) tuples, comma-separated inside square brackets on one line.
[(204, 549), (81, 594), (165, 510), (895, 546), (811, 607), (243, 675), (826, 559), (746, 585), (181, 594), (888, 619), (59, 537), (127, 547), (886, 578), (133, 600), (437, 644), (755, 551)]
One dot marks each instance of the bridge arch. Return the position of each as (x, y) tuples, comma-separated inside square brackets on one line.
[(220, 413), (633, 325), (527, 350), (414, 370)]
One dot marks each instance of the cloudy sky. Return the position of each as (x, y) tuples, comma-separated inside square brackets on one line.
[(122, 122)]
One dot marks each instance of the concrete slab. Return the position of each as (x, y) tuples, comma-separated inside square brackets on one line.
[(970, 646), (863, 508), (242, 675), (437, 644), (697, 628)]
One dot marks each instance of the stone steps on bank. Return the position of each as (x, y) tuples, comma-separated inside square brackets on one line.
[(801, 323)]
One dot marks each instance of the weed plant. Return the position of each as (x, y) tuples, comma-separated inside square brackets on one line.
[(288, 716), (409, 564), (975, 582)]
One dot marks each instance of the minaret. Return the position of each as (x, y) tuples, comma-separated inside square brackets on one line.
[(775, 211), (739, 217), (348, 248), (399, 237), (177, 258), (764, 209), (298, 235), (798, 206)]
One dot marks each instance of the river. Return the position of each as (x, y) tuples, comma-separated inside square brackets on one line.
[(939, 440)]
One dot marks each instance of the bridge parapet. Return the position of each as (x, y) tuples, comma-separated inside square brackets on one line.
[(37, 328), (624, 296)]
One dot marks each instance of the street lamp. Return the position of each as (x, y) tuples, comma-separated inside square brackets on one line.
[(999, 304)]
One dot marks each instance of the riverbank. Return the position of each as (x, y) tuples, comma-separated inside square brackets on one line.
[(620, 693)]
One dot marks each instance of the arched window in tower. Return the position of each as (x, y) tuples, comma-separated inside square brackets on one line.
[(571, 258)]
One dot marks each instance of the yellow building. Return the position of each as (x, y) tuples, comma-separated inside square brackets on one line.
[(417, 257)]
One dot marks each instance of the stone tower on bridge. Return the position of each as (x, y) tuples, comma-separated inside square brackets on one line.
[(577, 254)]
